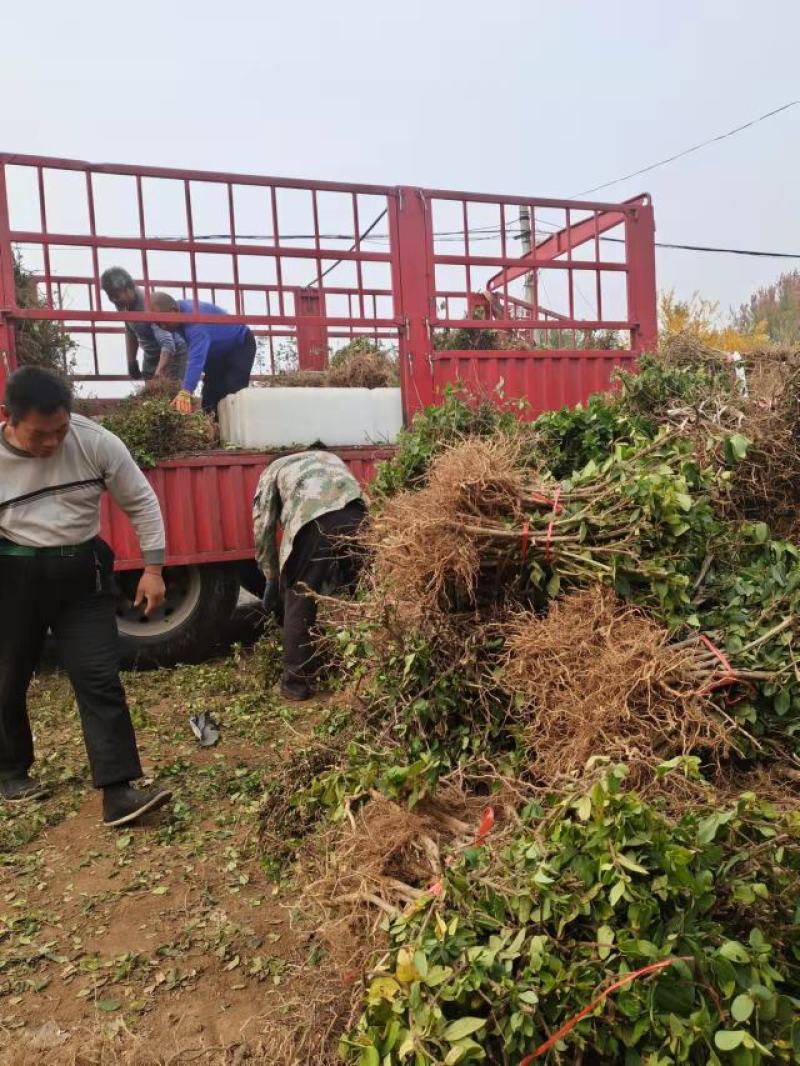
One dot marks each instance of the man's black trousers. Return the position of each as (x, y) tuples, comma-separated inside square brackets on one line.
[(73, 598), (228, 374), (321, 560)]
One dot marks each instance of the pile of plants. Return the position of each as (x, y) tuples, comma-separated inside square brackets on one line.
[(39, 342), (602, 930), (361, 364), (153, 430), (572, 626)]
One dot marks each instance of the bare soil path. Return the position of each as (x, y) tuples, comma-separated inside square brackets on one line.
[(169, 942)]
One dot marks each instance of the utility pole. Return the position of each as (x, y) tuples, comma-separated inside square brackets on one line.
[(526, 240)]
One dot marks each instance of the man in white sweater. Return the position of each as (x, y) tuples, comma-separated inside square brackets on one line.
[(55, 574)]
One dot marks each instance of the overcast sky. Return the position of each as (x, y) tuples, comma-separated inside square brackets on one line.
[(529, 97)]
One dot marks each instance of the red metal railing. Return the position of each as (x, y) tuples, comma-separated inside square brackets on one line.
[(541, 297), (259, 246)]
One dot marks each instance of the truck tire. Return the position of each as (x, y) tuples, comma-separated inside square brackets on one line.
[(200, 602)]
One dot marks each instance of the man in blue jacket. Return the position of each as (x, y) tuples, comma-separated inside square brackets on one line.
[(222, 355)]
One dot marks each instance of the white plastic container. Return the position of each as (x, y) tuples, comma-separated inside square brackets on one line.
[(288, 417)]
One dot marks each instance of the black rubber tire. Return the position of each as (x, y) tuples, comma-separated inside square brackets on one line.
[(194, 637)]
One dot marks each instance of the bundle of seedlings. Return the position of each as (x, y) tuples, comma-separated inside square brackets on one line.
[(296, 379), (748, 423), (477, 338), (288, 813), (599, 677), (353, 874), (600, 930), (748, 605), (373, 865), (460, 416), (702, 404), (427, 705), (362, 364), (684, 348), (153, 430), (766, 482), (39, 342), (484, 528)]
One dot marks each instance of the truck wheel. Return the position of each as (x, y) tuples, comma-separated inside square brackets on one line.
[(199, 604)]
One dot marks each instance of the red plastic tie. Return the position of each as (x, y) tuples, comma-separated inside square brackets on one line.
[(568, 1026), (524, 539), (487, 821), (548, 543), (538, 497), (715, 651), (436, 889), (729, 677)]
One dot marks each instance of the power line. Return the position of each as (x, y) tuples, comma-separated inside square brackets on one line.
[(479, 233), (688, 151), (354, 245), (713, 249), (726, 251)]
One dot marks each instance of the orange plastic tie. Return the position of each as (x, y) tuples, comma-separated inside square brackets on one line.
[(728, 678), (570, 1025), (487, 821)]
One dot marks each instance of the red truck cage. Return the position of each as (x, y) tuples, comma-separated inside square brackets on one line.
[(535, 299)]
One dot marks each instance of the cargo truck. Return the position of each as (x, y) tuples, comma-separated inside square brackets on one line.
[(515, 296)]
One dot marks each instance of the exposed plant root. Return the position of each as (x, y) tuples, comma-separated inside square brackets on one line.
[(598, 678), (357, 874)]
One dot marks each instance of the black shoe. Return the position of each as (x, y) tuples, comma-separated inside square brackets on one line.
[(22, 789), (123, 804)]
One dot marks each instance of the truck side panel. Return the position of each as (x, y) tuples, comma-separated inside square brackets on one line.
[(207, 506), (542, 380)]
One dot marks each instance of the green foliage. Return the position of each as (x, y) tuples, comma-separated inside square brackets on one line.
[(661, 384), (37, 341), (604, 340), (660, 495), (153, 430), (588, 887), (471, 340), (429, 711), (436, 428), (574, 436), (529, 930), (751, 598), (776, 309)]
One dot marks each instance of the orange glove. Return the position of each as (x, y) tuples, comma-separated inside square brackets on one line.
[(183, 402)]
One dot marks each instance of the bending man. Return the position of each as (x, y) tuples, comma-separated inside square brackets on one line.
[(318, 503), (164, 353), (56, 574), (222, 354)]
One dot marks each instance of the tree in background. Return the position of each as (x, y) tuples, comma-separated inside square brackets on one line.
[(775, 309), (38, 341), (698, 321)]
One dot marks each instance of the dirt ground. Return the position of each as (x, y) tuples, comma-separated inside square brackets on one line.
[(170, 942)]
